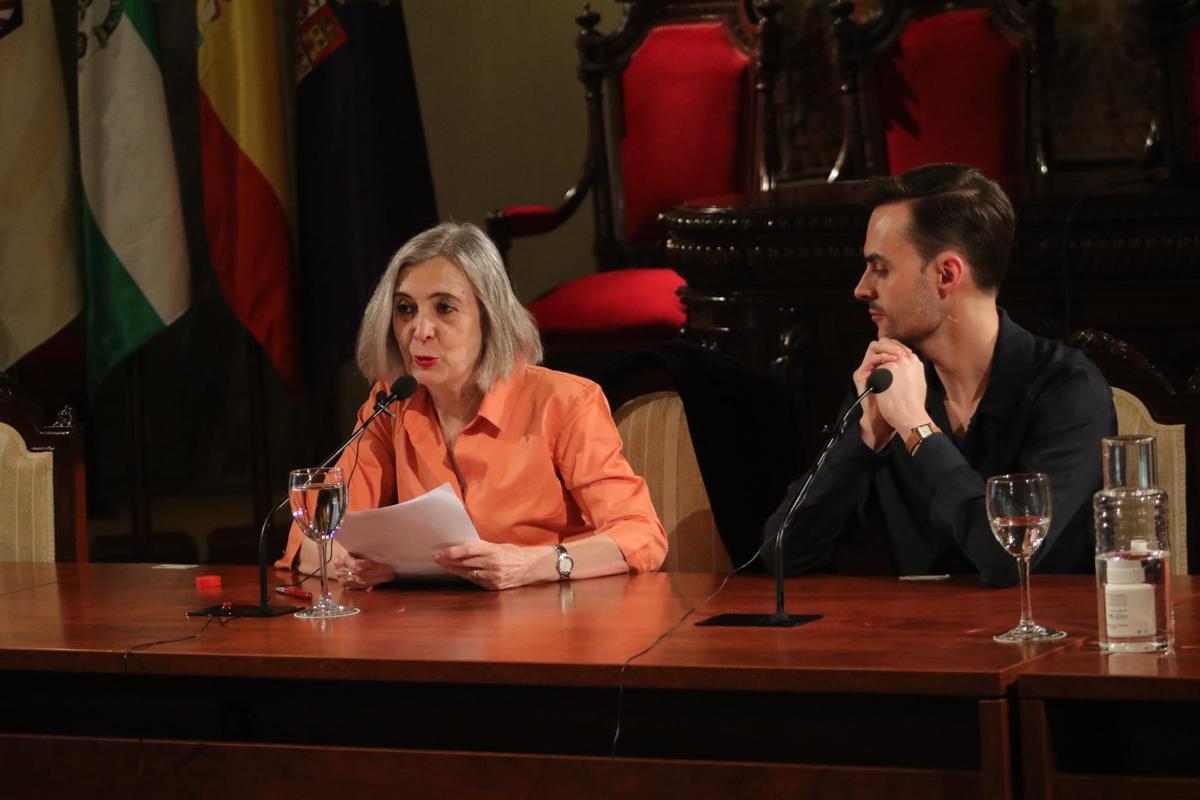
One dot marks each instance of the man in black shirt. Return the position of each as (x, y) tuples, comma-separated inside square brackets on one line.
[(973, 395)]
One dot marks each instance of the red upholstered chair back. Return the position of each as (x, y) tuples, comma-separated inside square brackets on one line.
[(930, 82), (678, 98), (681, 106)]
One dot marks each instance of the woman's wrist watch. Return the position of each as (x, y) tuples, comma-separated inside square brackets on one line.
[(564, 564), (917, 436)]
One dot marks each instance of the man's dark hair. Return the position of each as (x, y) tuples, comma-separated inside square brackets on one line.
[(955, 206)]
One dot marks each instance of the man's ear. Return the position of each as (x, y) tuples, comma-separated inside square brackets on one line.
[(950, 273)]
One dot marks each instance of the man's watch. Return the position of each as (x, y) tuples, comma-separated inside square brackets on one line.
[(917, 436), (565, 563)]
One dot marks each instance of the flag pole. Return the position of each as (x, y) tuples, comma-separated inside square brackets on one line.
[(140, 501), (260, 468)]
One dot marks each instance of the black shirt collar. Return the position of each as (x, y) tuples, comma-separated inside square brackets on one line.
[(1013, 368)]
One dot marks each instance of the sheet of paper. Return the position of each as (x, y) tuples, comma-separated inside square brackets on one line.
[(405, 536)]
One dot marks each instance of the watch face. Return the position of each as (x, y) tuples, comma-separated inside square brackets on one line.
[(565, 564), (925, 430)]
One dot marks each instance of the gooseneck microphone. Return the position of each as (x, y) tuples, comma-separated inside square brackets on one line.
[(878, 381), (401, 389)]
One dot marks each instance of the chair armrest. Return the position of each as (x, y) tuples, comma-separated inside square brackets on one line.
[(505, 224), (528, 220)]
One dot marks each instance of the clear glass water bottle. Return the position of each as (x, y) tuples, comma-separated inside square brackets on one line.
[(1133, 553)]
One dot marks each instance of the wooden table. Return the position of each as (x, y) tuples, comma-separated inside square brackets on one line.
[(898, 690), (1100, 725)]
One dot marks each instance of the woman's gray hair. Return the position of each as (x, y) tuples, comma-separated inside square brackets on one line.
[(510, 336)]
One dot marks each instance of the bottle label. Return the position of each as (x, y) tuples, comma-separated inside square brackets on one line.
[(1129, 610)]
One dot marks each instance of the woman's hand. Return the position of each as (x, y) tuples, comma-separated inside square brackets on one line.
[(499, 566), (360, 573)]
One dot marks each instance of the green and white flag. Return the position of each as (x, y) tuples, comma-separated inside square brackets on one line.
[(136, 261), (40, 287)]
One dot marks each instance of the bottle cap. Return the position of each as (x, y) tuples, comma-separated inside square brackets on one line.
[(1125, 571)]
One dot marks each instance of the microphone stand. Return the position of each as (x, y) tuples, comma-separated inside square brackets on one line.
[(264, 607), (781, 619)]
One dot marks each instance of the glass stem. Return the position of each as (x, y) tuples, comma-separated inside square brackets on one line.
[(322, 544), (1026, 604)]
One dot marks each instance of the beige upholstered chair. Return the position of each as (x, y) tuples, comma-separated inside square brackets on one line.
[(1171, 448), (1146, 403), (658, 446), (42, 505)]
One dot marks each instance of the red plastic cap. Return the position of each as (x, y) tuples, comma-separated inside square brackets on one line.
[(208, 582)]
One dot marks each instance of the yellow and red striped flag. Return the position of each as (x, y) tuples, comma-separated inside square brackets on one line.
[(243, 146)]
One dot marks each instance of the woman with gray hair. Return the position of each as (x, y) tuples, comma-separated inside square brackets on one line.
[(533, 453)]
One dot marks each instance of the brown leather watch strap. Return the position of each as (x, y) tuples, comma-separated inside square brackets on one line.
[(913, 439)]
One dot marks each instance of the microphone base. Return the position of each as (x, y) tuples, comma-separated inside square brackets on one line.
[(757, 620), (236, 611)]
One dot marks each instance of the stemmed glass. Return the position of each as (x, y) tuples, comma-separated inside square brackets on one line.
[(1018, 509), (318, 498)]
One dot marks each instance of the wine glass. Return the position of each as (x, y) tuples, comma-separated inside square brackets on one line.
[(318, 498), (1018, 509)]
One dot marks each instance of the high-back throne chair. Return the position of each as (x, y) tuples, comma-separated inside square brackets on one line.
[(43, 511), (1174, 139), (1146, 403), (943, 81), (676, 101)]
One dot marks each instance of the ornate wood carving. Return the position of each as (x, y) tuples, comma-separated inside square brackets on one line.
[(859, 44), (1104, 346), (64, 438), (751, 24), (770, 277), (1171, 21)]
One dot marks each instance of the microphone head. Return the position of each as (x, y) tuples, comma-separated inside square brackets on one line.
[(403, 387), (879, 380)]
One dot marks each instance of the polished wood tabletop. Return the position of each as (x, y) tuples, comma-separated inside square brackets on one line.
[(875, 634), (1085, 672), (898, 690)]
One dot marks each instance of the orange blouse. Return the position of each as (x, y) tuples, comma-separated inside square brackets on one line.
[(541, 464)]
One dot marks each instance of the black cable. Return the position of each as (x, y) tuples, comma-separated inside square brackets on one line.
[(125, 659), (873, 385), (663, 637)]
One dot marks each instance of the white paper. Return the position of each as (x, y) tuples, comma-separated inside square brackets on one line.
[(406, 536)]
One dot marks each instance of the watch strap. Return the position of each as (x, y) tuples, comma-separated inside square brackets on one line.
[(564, 563), (914, 438)]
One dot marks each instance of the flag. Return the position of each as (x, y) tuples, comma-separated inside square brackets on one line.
[(135, 251), (364, 184), (40, 287), (244, 170)]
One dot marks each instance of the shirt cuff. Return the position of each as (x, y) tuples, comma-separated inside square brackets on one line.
[(936, 458)]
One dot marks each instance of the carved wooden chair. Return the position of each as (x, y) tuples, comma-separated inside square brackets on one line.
[(1174, 138), (1147, 403), (942, 81), (676, 98), (43, 511)]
